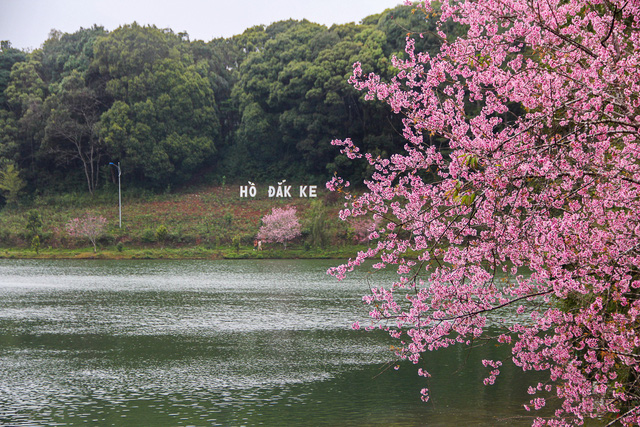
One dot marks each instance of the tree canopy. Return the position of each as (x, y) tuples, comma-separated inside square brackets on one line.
[(260, 105)]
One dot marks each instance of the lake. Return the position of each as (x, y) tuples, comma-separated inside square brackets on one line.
[(205, 343)]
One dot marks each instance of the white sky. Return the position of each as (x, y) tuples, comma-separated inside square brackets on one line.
[(27, 23)]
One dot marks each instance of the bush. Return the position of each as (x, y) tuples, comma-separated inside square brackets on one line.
[(236, 243), (148, 236), (161, 234), (89, 227), (227, 219), (35, 244), (34, 223)]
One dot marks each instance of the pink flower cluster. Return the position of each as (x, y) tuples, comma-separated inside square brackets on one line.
[(88, 227), (535, 208), (280, 226)]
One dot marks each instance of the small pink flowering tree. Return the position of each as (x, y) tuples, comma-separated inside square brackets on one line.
[(534, 208), (362, 229), (87, 227), (280, 226)]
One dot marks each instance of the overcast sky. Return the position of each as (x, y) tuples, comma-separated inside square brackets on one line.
[(27, 23)]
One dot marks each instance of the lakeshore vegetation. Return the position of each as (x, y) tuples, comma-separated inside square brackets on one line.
[(188, 121), (201, 222)]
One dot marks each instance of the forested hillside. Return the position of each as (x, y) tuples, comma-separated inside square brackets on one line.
[(261, 105)]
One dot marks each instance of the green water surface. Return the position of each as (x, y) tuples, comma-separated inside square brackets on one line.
[(204, 343)]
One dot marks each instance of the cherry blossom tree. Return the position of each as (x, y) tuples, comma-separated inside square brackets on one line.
[(531, 205), (280, 226), (88, 227)]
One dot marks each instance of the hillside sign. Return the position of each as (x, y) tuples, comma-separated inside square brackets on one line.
[(280, 191)]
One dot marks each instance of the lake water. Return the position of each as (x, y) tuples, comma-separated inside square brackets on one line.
[(203, 343)]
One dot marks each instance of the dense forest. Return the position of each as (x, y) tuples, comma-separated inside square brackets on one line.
[(261, 105)]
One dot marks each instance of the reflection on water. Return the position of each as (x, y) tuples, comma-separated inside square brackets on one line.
[(219, 343)]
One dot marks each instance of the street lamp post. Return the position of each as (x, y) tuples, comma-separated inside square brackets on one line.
[(119, 193)]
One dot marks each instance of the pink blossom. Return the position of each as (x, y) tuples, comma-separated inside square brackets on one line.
[(280, 226), (89, 227), (534, 212)]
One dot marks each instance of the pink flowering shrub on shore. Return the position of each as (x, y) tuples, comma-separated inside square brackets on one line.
[(280, 226), (548, 198), (87, 227)]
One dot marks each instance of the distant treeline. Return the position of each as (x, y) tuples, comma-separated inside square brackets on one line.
[(261, 105)]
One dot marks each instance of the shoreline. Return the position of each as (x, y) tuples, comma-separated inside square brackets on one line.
[(186, 253)]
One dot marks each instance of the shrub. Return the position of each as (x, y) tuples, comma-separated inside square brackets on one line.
[(148, 236), (161, 234), (90, 227), (280, 226), (35, 244)]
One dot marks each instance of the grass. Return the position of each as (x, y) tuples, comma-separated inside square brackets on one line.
[(197, 252)]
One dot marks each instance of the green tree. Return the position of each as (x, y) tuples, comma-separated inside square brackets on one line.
[(161, 234), (8, 57), (262, 104), (11, 184), (293, 98), (271, 85), (164, 121), (34, 223), (64, 53), (9, 147), (71, 127), (24, 123), (318, 235), (35, 244), (25, 85)]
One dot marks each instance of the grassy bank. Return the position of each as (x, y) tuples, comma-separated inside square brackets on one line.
[(179, 253), (201, 223)]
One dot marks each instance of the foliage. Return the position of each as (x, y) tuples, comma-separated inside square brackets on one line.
[(148, 236), (236, 243), (8, 57), (227, 219), (260, 105), (11, 184), (548, 199), (163, 124), (64, 53), (318, 223), (73, 113), (161, 234), (193, 216), (34, 223), (280, 226), (182, 211), (293, 97), (88, 227), (35, 244)]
